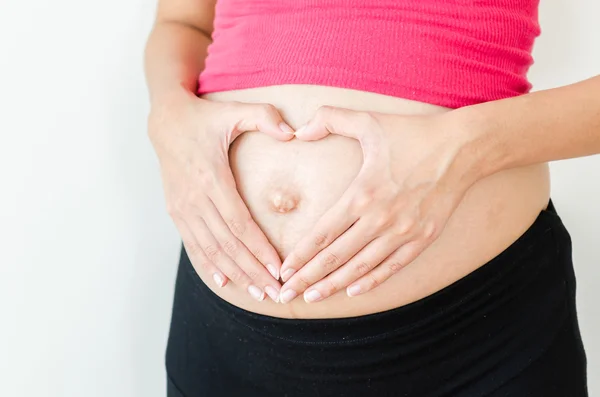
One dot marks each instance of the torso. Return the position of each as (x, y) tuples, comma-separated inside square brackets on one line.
[(493, 214)]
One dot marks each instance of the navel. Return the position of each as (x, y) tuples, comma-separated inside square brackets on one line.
[(283, 200)]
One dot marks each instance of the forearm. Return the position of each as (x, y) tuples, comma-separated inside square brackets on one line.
[(543, 126), (174, 58)]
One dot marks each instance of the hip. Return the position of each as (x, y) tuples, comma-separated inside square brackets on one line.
[(288, 185)]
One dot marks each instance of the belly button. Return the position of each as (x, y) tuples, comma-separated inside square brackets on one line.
[(284, 201)]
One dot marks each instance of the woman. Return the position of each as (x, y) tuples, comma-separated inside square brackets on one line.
[(391, 154)]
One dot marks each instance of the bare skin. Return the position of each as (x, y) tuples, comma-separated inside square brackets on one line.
[(191, 137), (315, 175)]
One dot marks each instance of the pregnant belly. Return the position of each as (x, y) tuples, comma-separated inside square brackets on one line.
[(288, 185)]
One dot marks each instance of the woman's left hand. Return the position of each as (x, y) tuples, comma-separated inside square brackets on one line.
[(413, 177)]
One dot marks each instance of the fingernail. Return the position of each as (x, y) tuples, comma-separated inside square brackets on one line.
[(312, 296), (287, 274), (256, 293), (273, 270), (286, 128), (218, 279), (272, 292), (288, 296), (300, 131), (353, 290)]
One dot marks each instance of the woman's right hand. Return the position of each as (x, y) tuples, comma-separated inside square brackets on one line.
[(191, 137)]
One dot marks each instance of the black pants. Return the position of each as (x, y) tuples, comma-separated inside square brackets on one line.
[(507, 329)]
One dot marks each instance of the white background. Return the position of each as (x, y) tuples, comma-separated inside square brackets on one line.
[(87, 253)]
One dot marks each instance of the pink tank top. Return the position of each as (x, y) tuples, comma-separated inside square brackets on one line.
[(450, 53)]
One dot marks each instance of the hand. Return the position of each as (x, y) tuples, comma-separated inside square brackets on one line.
[(191, 137), (413, 178)]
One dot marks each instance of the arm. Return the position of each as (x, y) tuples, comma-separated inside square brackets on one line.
[(543, 126), (177, 47), (394, 211), (191, 137)]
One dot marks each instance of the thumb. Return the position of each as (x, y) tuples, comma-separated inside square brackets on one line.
[(332, 120), (264, 118)]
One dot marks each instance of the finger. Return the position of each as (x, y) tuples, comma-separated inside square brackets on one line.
[(328, 228), (362, 126), (239, 253), (361, 264), (214, 252), (260, 117), (328, 261), (339, 121), (237, 217), (196, 254), (398, 260)]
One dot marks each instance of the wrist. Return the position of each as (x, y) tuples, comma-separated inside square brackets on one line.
[(170, 107), (481, 151)]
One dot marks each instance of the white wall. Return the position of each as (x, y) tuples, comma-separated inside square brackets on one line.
[(87, 253)]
